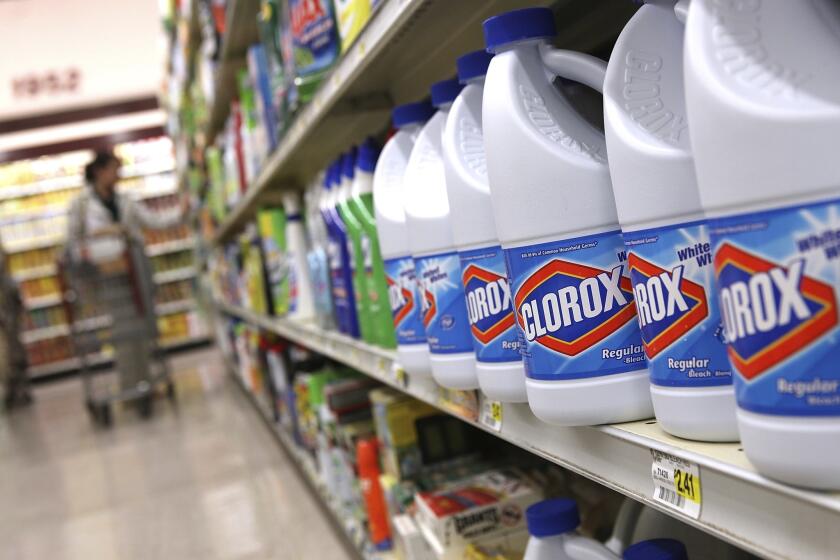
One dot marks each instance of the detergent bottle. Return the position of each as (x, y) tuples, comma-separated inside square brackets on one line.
[(301, 296), (392, 232), (499, 368), (552, 524), (656, 549), (556, 219), (438, 266), (317, 255), (339, 257), (667, 240), (375, 285), (354, 242), (763, 100)]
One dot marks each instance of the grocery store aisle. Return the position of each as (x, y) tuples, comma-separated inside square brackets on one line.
[(205, 480)]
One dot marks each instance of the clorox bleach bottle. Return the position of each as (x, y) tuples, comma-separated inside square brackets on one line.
[(354, 242), (375, 284), (301, 294), (437, 263), (392, 231), (556, 219), (656, 549), (665, 233), (499, 368), (552, 524), (339, 257), (763, 99)]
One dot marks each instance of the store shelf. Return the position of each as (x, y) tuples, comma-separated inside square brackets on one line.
[(44, 333), (42, 301), (35, 272), (307, 468), (184, 341), (172, 307), (67, 365), (28, 215), (241, 18), (42, 242), (42, 186), (738, 504), (173, 246), (174, 275), (406, 46)]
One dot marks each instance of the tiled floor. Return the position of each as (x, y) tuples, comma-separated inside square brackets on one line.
[(203, 480)]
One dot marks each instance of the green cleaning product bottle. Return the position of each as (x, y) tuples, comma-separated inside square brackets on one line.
[(376, 286), (354, 235), (271, 223)]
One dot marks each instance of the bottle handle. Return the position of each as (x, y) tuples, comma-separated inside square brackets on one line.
[(583, 68)]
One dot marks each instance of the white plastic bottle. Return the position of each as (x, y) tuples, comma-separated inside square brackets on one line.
[(499, 368), (552, 525), (437, 263), (763, 100), (301, 293), (388, 200), (665, 232), (317, 255), (656, 549), (556, 219)]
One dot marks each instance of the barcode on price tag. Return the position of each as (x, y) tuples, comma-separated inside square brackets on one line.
[(676, 483), (491, 414)]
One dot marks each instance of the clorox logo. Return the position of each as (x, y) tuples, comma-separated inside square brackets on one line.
[(488, 303), (668, 305), (770, 312), (569, 307), (401, 299), (429, 307)]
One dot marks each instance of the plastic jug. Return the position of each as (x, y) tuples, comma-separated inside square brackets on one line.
[(664, 228), (375, 285), (301, 296), (438, 267), (339, 257), (552, 525), (763, 101), (354, 242), (499, 368), (556, 219), (403, 289), (317, 255), (656, 549)]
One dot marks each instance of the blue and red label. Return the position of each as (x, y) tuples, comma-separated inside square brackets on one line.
[(490, 305), (443, 307), (777, 274), (405, 302), (673, 281), (573, 303)]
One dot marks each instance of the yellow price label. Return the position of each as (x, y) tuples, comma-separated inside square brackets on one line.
[(687, 485), (496, 411)]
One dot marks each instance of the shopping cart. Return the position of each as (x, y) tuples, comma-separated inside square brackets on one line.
[(109, 301)]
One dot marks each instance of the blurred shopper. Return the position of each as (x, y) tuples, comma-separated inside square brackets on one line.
[(13, 360), (101, 215)]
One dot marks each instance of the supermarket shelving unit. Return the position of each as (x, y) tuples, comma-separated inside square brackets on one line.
[(160, 182), (407, 45)]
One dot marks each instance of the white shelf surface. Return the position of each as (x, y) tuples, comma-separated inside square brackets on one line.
[(167, 276), (174, 246), (41, 242), (171, 307), (42, 301), (35, 272), (308, 468), (739, 505)]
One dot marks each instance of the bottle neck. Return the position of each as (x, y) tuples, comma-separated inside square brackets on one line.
[(525, 45)]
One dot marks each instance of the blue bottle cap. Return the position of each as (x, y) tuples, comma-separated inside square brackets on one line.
[(368, 154), (348, 163), (328, 175), (473, 65), (518, 25), (552, 517), (445, 92), (656, 549), (411, 113), (335, 172)]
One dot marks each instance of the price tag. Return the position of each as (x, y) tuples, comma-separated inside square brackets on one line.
[(676, 483), (400, 376), (491, 414)]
